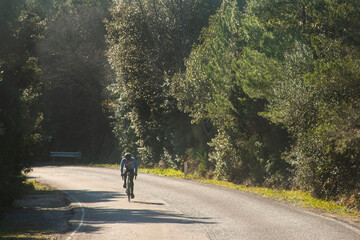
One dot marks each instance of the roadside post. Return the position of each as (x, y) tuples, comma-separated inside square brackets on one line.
[(185, 165)]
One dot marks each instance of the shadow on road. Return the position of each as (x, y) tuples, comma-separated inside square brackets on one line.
[(85, 196), (38, 215), (110, 216), (148, 203), (100, 215)]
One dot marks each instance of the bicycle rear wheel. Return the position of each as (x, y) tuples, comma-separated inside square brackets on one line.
[(128, 186)]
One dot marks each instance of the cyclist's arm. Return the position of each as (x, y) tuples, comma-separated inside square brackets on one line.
[(136, 166), (122, 166)]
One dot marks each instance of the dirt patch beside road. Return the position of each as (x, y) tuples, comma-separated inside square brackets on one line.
[(38, 215)]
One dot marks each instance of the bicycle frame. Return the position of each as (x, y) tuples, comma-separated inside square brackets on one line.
[(129, 184)]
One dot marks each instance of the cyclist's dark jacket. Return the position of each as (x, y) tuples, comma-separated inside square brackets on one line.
[(132, 164)]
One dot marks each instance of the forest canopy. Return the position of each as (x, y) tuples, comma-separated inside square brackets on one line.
[(257, 92)]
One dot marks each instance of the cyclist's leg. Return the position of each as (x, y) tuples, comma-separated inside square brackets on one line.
[(132, 181), (125, 176)]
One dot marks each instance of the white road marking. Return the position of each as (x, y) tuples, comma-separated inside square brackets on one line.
[(82, 216)]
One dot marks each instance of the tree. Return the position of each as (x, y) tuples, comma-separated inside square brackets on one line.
[(247, 147), (302, 57), (75, 73), (148, 41), (20, 91)]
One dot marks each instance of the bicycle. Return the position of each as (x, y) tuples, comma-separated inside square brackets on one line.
[(129, 184)]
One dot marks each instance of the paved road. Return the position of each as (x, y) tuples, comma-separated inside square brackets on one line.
[(166, 208)]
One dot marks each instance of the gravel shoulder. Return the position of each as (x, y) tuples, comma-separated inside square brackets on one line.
[(38, 216)]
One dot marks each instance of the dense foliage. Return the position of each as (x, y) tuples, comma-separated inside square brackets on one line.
[(259, 92), (20, 88), (296, 64), (247, 147), (148, 41), (308, 56), (53, 72), (75, 75)]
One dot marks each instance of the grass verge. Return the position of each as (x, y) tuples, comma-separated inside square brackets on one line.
[(296, 197), (36, 187)]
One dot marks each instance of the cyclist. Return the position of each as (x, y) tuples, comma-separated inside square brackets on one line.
[(130, 166)]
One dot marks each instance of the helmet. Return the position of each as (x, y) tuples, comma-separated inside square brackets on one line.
[(128, 156)]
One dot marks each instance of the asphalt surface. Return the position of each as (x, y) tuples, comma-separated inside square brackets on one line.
[(166, 208)]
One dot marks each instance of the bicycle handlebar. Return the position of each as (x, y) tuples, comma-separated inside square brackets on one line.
[(122, 175)]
